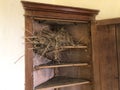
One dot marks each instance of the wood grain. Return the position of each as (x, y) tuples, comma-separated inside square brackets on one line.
[(28, 56), (108, 21), (118, 50), (58, 12), (106, 40), (95, 56)]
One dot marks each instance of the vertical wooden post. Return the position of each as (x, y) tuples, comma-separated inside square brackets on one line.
[(95, 54), (28, 56)]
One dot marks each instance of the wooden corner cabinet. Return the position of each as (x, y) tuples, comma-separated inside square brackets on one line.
[(59, 48)]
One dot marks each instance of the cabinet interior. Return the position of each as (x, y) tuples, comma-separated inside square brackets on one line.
[(61, 55)]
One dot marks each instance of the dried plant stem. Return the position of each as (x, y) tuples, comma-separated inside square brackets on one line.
[(31, 37), (29, 40), (32, 43), (61, 49), (18, 59), (46, 49), (57, 53), (29, 32)]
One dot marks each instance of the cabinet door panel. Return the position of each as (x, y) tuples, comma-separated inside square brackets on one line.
[(106, 39)]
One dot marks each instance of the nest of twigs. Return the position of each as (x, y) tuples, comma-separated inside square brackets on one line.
[(48, 42)]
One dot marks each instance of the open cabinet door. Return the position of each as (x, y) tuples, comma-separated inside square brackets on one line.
[(108, 48)]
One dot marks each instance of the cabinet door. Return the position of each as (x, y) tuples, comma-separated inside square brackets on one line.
[(106, 48), (118, 46)]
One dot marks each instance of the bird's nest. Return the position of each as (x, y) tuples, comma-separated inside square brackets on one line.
[(48, 42)]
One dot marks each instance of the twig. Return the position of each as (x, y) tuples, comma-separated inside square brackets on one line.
[(29, 40), (32, 43), (46, 49), (19, 59), (31, 37), (29, 32)]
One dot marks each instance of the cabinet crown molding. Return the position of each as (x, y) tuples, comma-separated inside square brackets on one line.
[(36, 7)]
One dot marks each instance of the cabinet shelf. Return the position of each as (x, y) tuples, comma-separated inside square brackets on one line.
[(61, 81), (60, 65)]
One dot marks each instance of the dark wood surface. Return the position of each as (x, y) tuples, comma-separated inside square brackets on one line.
[(58, 12), (107, 56), (112, 29), (108, 21), (28, 55), (118, 50), (95, 56), (57, 8)]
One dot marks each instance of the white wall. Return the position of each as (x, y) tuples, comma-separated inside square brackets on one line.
[(11, 45), (12, 33)]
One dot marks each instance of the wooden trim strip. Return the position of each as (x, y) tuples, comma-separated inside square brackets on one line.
[(61, 65), (57, 8), (62, 20), (108, 21)]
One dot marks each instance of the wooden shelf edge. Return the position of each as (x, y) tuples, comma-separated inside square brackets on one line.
[(60, 65), (61, 81), (63, 47), (80, 46), (80, 83)]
